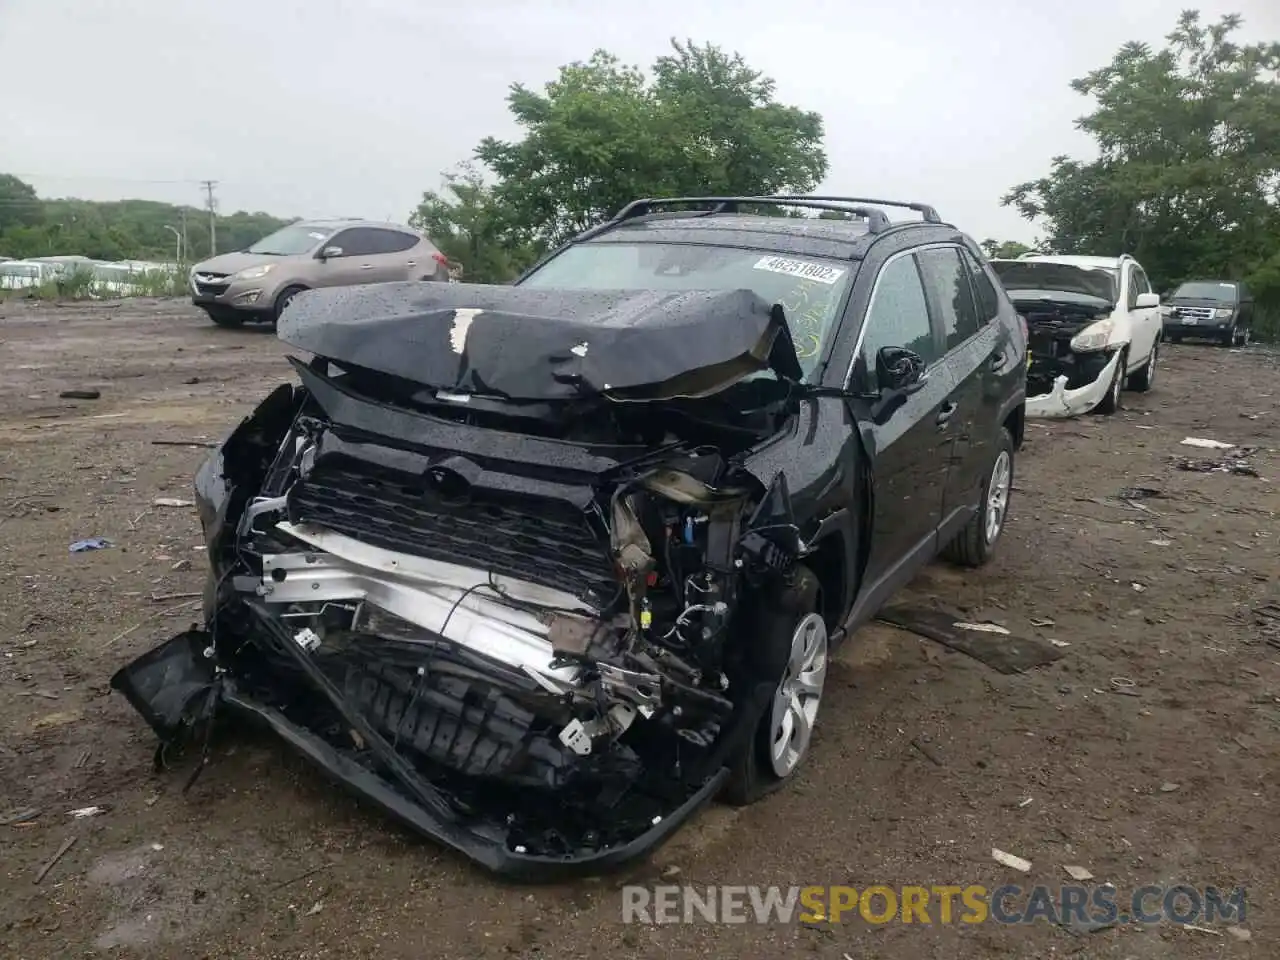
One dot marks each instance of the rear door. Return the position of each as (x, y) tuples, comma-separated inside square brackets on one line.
[(974, 359), (400, 256), (907, 445), (364, 259)]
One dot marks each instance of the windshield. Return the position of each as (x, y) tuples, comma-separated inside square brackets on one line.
[(1204, 290), (1049, 278), (291, 241), (810, 289)]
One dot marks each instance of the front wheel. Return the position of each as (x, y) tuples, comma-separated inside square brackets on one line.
[(975, 545), (793, 642), (1241, 336), (1141, 380), (283, 300), (1111, 402)]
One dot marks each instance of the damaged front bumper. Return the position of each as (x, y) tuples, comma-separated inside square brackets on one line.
[(177, 688), (1061, 402), (546, 673)]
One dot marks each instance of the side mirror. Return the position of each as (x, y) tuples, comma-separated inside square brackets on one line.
[(327, 252), (898, 368), (1146, 301)]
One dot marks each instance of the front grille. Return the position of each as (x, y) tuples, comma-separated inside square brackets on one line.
[(1194, 314), (530, 539), (462, 724), (1042, 345), (211, 284)]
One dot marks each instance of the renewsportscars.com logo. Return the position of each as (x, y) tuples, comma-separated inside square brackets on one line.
[(1067, 904)]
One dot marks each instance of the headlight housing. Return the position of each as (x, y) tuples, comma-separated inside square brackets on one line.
[(1222, 313), (254, 273), (1093, 337)]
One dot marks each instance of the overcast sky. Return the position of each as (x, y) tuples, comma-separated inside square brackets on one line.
[(323, 108)]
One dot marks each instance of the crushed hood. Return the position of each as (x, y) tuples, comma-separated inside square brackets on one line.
[(525, 344)]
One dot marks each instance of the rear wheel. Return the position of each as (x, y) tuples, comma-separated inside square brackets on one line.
[(975, 544), (793, 647)]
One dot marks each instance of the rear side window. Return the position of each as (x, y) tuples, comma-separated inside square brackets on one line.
[(897, 317), (988, 301), (394, 241), (950, 293), (357, 242)]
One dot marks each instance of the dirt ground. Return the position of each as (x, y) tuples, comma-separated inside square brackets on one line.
[(1170, 780)]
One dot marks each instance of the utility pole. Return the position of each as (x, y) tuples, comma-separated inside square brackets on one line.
[(185, 249), (211, 204)]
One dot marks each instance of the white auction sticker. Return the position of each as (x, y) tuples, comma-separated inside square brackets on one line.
[(804, 269)]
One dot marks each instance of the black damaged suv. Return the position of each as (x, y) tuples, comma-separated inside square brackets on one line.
[(542, 568)]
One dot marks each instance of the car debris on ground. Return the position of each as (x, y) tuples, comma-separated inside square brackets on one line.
[(991, 644), (1011, 861)]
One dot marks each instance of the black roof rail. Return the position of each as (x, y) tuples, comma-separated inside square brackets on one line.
[(877, 221), (927, 213)]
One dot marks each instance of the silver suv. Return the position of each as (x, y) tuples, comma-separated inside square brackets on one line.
[(257, 283)]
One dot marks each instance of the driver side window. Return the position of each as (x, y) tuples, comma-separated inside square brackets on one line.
[(897, 317)]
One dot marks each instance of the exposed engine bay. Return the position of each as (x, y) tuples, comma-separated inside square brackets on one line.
[(528, 628), (1052, 325)]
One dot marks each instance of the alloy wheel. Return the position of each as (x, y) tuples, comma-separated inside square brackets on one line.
[(998, 496), (796, 701)]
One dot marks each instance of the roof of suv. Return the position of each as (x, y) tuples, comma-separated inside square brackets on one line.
[(343, 223), (724, 224), (1109, 263)]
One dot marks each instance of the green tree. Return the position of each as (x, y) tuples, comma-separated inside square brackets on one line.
[(472, 228), (1004, 249), (603, 134), (19, 206), (1188, 167), (116, 229)]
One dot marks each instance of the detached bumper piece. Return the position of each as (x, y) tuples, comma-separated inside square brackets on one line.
[(1062, 402), (466, 768)]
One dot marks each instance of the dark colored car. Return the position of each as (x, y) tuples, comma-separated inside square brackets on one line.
[(542, 568), (1219, 310)]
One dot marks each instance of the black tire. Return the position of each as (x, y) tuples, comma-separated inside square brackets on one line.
[(775, 619), (1111, 402), (230, 319), (1228, 339), (1140, 381), (1242, 336), (974, 546), (282, 300)]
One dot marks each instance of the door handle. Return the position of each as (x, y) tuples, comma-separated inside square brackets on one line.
[(366, 266), (946, 412)]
